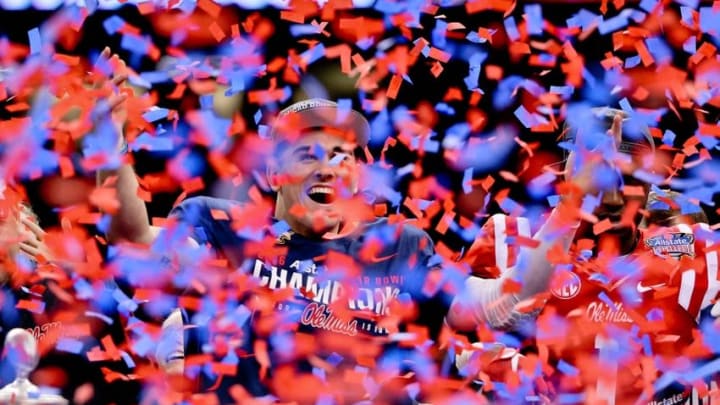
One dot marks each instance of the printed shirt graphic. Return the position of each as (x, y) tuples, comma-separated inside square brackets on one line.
[(671, 278), (370, 270), (342, 287)]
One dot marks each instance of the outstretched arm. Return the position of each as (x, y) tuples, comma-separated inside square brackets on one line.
[(484, 300)]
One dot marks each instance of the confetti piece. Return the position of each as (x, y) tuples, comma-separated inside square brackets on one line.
[(35, 41), (113, 24), (533, 16), (511, 29)]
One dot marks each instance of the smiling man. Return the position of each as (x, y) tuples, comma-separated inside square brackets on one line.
[(345, 267), (322, 299)]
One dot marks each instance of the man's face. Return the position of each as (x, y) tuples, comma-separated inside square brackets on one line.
[(617, 203), (314, 178), (622, 199)]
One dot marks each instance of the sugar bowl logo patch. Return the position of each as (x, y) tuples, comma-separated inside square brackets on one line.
[(674, 244)]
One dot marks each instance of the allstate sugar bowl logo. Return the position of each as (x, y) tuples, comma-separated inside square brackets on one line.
[(673, 244), (565, 285)]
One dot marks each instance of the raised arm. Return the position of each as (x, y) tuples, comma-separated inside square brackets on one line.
[(483, 300), (130, 222)]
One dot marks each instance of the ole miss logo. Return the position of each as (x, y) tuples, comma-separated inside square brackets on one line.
[(565, 285)]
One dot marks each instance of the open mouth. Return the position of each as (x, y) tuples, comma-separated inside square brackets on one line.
[(322, 194)]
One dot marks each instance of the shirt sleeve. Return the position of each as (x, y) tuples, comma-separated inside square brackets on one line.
[(192, 214), (706, 255), (496, 248)]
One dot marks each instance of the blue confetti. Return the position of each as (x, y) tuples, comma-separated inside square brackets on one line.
[(668, 137), (655, 315), (541, 185), (709, 142), (70, 345), (534, 18), (413, 390), (589, 203), (566, 368), (527, 119), (693, 4), (648, 5), (613, 24), (206, 101), (474, 37), (134, 44), (690, 45), (35, 41), (298, 30), (583, 19), (511, 29), (632, 61), (565, 91), (467, 179), (314, 54), (686, 14), (91, 5), (703, 371), (344, 107), (334, 359), (145, 141), (83, 289), (511, 206), (319, 373), (609, 302), (279, 228), (709, 20), (444, 108), (571, 398), (660, 50), (504, 95), (150, 78), (156, 114), (553, 200), (474, 68), (438, 34), (600, 278), (113, 24), (128, 360), (124, 302), (145, 345)]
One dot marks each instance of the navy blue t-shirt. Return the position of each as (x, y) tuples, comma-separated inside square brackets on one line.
[(375, 266)]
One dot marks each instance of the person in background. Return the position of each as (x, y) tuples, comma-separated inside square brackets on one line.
[(664, 210), (35, 295), (623, 285)]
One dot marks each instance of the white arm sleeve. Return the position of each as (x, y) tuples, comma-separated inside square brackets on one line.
[(483, 299)]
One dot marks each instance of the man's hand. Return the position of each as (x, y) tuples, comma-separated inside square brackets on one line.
[(581, 168), (85, 102), (33, 241), (117, 99)]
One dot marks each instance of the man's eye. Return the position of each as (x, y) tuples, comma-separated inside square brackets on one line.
[(307, 157)]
